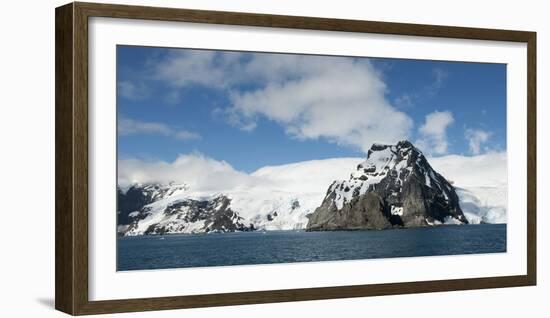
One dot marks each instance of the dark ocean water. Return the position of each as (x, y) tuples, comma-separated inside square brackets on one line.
[(220, 249)]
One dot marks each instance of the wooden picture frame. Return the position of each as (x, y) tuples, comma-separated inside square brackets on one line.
[(71, 222)]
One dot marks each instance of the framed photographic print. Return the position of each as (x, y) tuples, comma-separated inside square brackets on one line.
[(211, 158)]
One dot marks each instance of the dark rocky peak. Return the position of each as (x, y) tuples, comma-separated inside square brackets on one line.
[(401, 147), (405, 188)]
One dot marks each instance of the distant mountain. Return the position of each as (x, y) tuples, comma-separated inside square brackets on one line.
[(168, 216), (394, 186), (395, 180)]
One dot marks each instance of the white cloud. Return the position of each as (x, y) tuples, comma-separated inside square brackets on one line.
[(200, 67), (436, 123), (433, 133), (476, 138), (130, 90), (128, 126), (338, 99), (200, 172), (341, 100), (186, 135)]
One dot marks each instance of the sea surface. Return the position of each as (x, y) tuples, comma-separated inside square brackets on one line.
[(244, 248)]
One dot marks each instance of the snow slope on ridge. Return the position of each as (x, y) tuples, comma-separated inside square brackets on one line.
[(280, 197), (480, 182), (294, 190), (488, 170), (483, 204), (309, 176)]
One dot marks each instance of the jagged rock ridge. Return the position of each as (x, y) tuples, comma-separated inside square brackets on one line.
[(394, 186), (166, 210), (137, 196)]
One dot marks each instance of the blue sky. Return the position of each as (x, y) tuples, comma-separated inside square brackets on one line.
[(258, 109)]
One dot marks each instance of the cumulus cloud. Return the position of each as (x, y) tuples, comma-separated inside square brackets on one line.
[(197, 170), (338, 99), (476, 138), (128, 126), (433, 133)]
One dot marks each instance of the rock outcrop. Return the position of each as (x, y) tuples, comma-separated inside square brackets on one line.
[(156, 209), (394, 186)]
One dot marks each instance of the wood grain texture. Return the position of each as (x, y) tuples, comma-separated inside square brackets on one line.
[(80, 144), (64, 235), (165, 303), (532, 158), (297, 22), (72, 157)]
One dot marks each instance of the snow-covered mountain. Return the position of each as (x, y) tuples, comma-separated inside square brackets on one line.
[(281, 197), (194, 212), (394, 186), (185, 215)]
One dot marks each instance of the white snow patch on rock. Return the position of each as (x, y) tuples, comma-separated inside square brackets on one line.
[(397, 210)]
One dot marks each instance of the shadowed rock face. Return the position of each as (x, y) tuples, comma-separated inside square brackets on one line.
[(394, 186), (362, 212)]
